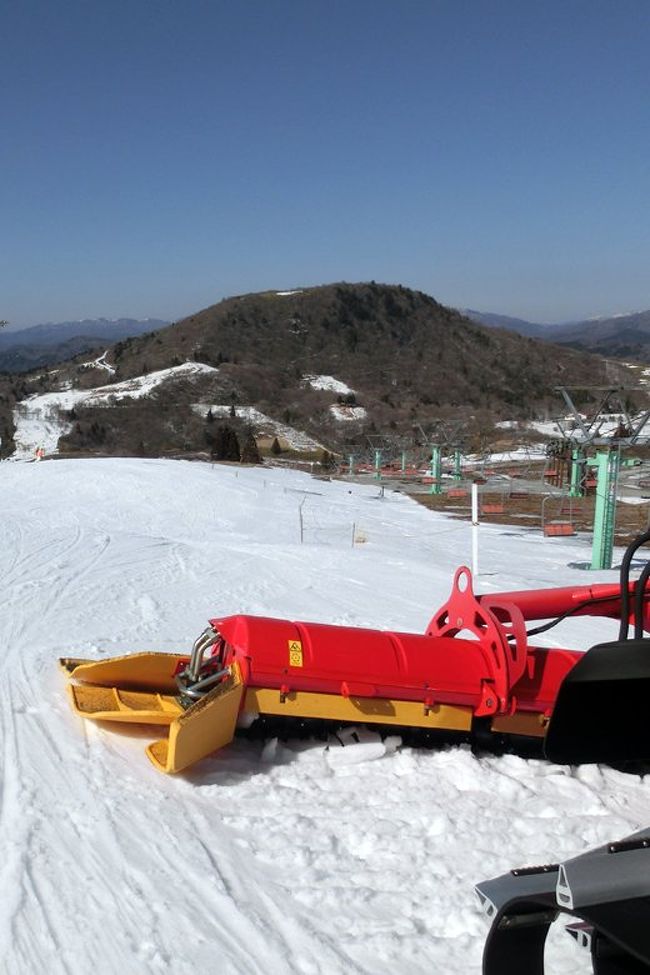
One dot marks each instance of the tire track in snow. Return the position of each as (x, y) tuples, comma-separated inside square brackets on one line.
[(283, 941), (44, 551), (30, 567), (14, 823), (98, 882), (81, 559), (11, 547)]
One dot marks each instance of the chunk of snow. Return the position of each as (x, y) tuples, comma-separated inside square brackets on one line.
[(363, 751)]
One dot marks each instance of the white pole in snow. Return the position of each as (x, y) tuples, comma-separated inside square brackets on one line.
[(474, 529), (302, 525)]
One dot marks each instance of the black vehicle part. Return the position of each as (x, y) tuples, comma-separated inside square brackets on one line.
[(607, 888), (601, 713)]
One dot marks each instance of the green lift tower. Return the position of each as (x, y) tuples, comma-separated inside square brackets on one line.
[(585, 432)]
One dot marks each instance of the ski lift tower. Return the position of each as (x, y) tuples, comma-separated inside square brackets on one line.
[(379, 445), (352, 451), (434, 444), (445, 435), (592, 431), (455, 437), (404, 445)]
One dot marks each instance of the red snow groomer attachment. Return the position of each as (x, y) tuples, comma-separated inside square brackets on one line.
[(473, 674)]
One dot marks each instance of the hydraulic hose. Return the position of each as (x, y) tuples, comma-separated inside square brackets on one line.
[(625, 584), (639, 595)]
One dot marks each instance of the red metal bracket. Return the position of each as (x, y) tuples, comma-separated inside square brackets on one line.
[(499, 627)]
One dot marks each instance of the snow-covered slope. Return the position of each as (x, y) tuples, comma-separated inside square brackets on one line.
[(99, 363), (328, 383), (267, 859), (263, 424), (40, 419)]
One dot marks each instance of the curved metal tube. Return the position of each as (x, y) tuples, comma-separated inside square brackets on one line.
[(625, 583), (201, 687), (202, 643), (639, 595)]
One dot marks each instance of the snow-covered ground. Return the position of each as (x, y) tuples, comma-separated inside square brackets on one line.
[(645, 380), (266, 859), (328, 383), (342, 412), (516, 455), (607, 425), (99, 363), (549, 428)]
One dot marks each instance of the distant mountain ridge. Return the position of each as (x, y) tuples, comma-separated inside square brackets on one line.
[(623, 336), (519, 325), (41, 345)]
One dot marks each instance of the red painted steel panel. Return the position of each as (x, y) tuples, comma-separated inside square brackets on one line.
[(403, 665)]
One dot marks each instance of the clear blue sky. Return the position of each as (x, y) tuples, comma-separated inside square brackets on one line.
[(158, 155)]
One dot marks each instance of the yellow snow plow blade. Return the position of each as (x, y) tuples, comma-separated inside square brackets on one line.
[(194, 733), (133, 671), (204, 728), (129, 707)]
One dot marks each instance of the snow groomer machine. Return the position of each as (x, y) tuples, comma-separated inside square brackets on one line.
[(474, 675)]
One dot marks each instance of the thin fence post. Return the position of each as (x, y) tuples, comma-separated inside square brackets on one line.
[(302, 527), (354, 530)]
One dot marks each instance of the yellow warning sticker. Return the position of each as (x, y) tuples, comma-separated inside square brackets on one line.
[(295, 653)]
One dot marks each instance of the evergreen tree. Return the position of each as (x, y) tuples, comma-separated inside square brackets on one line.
[(249, 452), (224, 443)]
